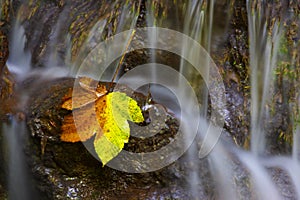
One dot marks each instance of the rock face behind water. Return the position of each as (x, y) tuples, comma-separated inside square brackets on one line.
[(4, 94), (6, 78)]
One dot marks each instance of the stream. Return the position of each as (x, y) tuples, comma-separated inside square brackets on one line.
[(218, 81)]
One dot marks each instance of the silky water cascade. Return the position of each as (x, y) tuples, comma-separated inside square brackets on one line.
[(223, 75)]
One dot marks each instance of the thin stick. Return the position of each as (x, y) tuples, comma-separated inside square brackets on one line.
[(122, 58)]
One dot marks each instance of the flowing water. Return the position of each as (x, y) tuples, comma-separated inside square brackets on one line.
[(197, 25), (263, 57), (18, 57), (19, 180), (237, 173)]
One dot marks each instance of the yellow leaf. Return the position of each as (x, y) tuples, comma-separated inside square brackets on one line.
[(115, 128), (101, 113)]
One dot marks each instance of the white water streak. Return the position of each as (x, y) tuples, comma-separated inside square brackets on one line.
[(296, 144), (13, 134), (198, 26), (19, 60), (263, 184), (221, 168), (263, 57)]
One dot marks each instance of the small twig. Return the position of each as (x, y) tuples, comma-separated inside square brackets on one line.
[(121, 60), (123, 56)]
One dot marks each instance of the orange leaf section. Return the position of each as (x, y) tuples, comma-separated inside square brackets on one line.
[(86, 124), (100, 106)]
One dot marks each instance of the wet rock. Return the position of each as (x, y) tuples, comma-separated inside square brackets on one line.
[(3, 194), (235, 71), (5, 92), (283, 182)]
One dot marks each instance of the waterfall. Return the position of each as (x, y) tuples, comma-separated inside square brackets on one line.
[(19, 180), (236, 173), (263, 56)]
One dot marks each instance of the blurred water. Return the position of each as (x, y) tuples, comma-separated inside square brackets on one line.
[(263, 57), (19, 60), (18, 179)]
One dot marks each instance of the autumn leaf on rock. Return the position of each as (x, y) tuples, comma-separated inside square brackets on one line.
[(86, 124), (85, 94), (106, 117), (113, 120)]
